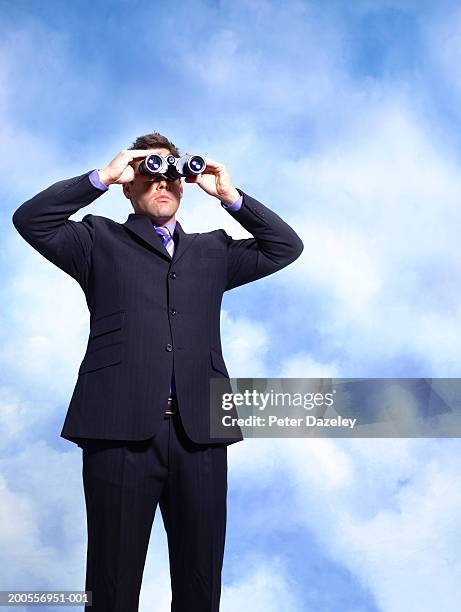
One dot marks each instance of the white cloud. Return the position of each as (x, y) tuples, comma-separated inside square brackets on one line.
[(383, 212), (387, 510), (266, 584), (409, 554), (18, 416), (301, 72), (245, 343), (40, 496), (47, 325), (303, 365), (258, 463)]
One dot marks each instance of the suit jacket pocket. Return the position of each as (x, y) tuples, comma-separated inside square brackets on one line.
[(101, 358), (217, 362), (106, 331), (107, 323)]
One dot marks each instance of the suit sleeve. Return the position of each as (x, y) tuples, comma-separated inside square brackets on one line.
[(43, 221), (274, 245)]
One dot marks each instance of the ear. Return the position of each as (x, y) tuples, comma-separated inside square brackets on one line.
[(181, 188), (126, 190)]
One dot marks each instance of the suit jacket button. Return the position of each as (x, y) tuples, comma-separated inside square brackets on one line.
[(173, 312), (169, 347), (173, 275)]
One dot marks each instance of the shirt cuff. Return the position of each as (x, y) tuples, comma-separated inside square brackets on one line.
[(234, 206), (96, 181)]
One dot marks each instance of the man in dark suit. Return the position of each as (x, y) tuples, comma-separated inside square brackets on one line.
[(140, 409)]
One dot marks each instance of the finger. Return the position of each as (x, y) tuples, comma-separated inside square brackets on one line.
[(134, 153), (211, 163), (127, 176)]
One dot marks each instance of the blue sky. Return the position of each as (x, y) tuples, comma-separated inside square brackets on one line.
[(343, 117)]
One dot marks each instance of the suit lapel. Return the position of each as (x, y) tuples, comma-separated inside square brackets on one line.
[(143, 227), (183, 241)]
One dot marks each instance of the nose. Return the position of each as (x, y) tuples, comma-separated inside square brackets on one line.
[(162, 183)]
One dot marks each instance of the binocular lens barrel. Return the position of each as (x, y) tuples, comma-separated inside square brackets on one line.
[(196, 164), (153, 164), (190, 165)]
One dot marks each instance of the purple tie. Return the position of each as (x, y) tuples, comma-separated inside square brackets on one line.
[(167, 240)]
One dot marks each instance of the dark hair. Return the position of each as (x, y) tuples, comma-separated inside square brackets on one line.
[(155, 141)]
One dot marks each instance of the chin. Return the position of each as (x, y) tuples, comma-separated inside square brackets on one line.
[(163, 212)]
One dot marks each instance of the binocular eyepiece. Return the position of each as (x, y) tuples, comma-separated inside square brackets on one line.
[(171, 167)]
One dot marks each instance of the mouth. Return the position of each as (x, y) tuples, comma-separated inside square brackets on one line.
[(163, 199)]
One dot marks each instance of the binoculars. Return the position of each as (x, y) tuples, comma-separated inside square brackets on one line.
[(171, 167)]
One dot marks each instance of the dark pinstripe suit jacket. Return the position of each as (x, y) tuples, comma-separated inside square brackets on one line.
[(148, 311)]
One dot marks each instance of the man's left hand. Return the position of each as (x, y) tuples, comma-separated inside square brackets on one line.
[(215, 180)]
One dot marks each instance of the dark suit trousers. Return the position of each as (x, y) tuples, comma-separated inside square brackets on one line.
[(123, 482)]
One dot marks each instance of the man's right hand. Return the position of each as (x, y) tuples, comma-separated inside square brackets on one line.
[(120, 170)]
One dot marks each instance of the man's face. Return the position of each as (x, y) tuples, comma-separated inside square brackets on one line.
[(155, 197)]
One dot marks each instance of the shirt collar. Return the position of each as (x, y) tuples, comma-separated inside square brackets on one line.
[(170, 226)]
